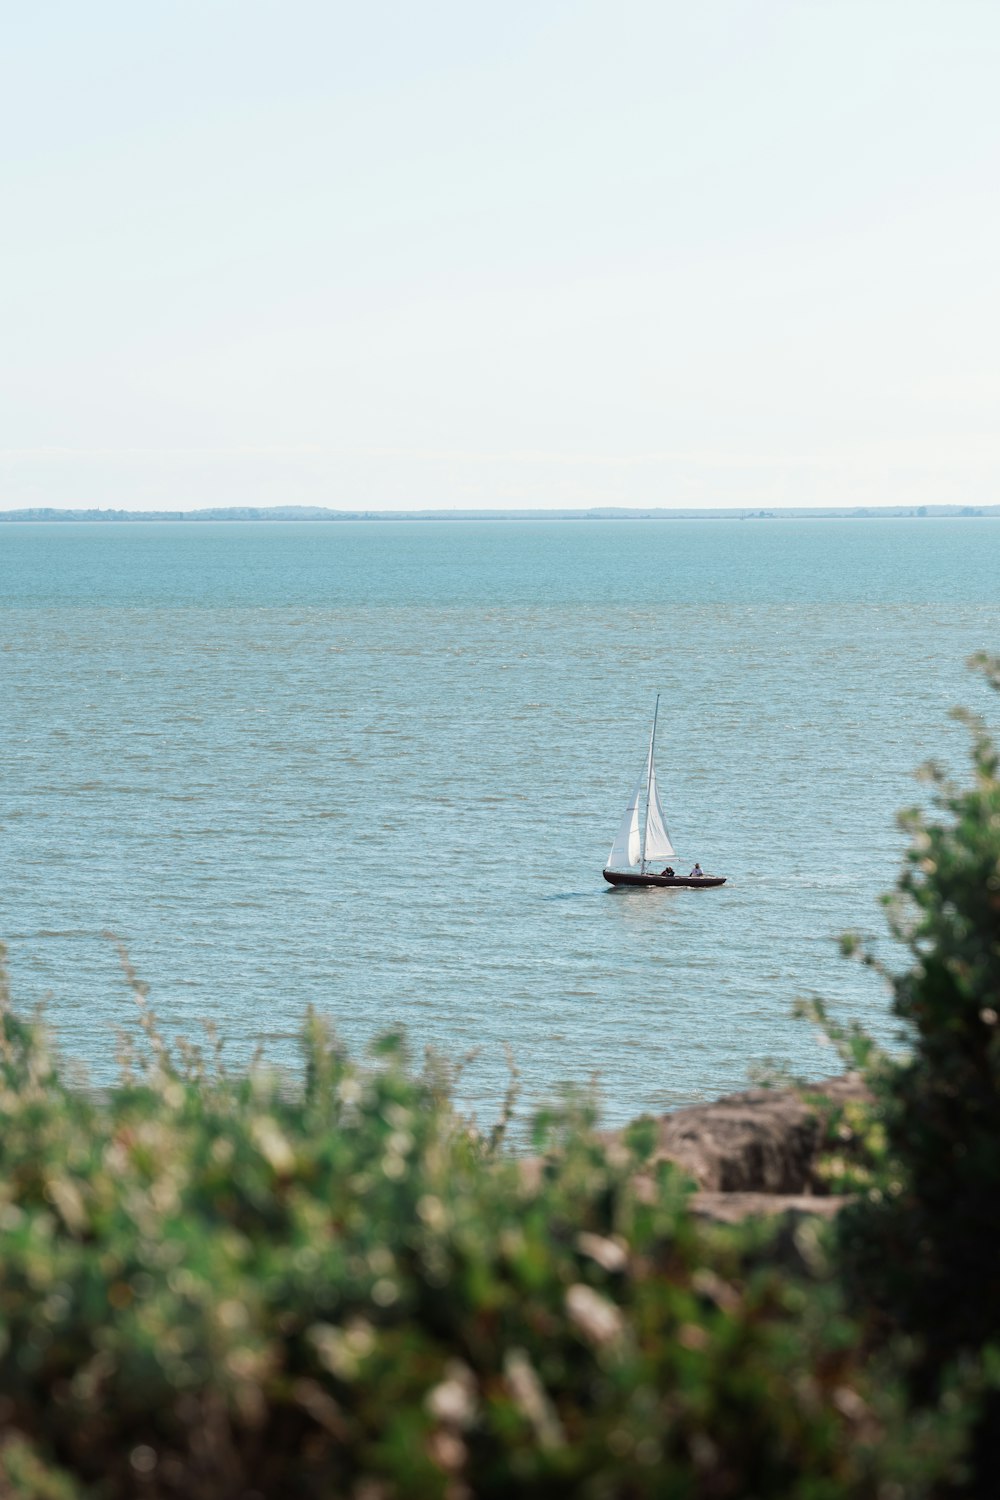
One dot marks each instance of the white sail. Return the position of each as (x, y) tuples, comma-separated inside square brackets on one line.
[(658, 845), (627, 847), (643, 835)]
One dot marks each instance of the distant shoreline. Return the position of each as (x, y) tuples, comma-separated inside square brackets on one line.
[(597, 513)]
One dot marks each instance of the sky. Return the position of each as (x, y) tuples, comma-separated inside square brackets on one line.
[(451, 254)]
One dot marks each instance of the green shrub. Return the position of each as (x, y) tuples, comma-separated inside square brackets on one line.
[(924, 1245), (213, 1288)]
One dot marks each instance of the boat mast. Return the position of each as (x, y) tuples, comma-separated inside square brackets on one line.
[(649, 777)]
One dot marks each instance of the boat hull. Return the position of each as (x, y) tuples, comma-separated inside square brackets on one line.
[(694, 882)]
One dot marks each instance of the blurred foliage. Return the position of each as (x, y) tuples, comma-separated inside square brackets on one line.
[(213, 1287), (853, 1155), (923, 1246)]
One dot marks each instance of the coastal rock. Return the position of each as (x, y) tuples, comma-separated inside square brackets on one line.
[(733, 1208), (761, 1141), (752, 1154)]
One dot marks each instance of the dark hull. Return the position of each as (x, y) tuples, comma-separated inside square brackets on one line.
[(696, 882)]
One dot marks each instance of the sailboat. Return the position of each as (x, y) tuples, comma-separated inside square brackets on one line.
[(643, 839)]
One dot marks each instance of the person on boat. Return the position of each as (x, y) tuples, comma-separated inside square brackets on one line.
[(697, 871), (669, 870)]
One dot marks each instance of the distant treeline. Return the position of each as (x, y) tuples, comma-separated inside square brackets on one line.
[(597, 513)]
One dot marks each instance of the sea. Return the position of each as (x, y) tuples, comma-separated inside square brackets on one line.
[(376, 767)]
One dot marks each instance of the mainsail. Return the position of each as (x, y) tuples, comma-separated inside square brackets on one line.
[(643, 834), (658, 845)]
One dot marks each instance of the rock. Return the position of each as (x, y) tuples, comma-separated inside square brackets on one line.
[(763, 1141), (733, 1208), (752, 1154)]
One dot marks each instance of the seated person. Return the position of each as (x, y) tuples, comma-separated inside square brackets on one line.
[(668, 871), (697, 870)]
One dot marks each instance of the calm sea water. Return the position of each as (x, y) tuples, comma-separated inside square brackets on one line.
[(378, 768)]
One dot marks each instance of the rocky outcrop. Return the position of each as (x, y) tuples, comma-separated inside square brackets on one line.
[(733, 1208), (756, 1152), (760, 1141)]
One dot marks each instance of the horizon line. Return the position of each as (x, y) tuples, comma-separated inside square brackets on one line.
[(551, 513)]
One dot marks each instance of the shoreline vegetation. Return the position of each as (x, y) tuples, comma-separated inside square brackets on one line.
[(596, 513), (217, 1288)]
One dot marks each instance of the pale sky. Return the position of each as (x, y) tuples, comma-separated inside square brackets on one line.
[(390, 255)]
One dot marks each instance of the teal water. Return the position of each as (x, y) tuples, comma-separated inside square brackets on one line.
[(377, 767)]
